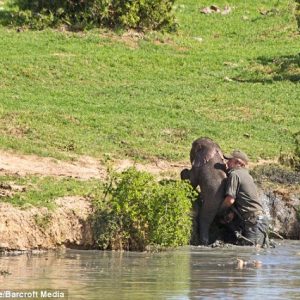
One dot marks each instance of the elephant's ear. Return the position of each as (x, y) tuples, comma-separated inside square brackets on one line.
[(202, 155)]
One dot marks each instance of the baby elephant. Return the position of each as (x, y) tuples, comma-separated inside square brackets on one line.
[(207, 172)]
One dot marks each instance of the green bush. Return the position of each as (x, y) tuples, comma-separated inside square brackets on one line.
[(137, 14), (141, 212)]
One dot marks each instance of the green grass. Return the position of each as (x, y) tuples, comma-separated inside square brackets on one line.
[(67, 94), (42, 191)]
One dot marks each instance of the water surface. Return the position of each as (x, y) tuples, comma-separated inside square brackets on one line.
[(185, 273)]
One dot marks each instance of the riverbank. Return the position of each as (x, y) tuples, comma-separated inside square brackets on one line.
[(47, 203), (67, 220), (68, 225)]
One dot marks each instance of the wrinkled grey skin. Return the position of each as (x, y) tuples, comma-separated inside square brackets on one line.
[(207, 172)]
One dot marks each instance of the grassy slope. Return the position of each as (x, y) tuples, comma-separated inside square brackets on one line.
[(63, 94), (41, 191)]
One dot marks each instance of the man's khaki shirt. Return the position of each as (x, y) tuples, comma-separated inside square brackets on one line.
[(241, 187)]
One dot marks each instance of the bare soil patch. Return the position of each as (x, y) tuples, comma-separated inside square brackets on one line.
[(84, 167), (130, 38)]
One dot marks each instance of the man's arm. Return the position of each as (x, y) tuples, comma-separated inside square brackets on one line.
[(232, 186), (228, 201)]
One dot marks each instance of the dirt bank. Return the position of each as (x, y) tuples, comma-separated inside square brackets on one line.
[(40, 228), (84, 167)]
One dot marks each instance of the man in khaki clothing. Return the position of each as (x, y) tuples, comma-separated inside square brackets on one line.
[(251, 225)]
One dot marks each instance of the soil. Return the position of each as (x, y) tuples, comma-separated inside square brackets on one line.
[(39, 228), (84, 167)]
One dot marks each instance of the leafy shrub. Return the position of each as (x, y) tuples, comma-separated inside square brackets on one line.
[(141, 212), (137, 14)]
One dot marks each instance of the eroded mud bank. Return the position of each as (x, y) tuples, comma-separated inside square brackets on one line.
[(71, 223), (68, 225)]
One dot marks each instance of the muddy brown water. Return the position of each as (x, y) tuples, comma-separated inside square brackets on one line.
[(185, 273)]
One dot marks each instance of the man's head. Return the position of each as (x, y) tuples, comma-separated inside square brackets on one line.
[(236, 159)]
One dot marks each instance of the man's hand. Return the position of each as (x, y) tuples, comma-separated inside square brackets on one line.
[(227, 218)]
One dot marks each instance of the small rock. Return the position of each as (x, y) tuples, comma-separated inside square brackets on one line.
[(215, 8), (266, 12), (197, 38), (217, 244), (257, 264), (226, 11), (228, 79), (206, 10), (240, 263), (5, 186), (4, 273)]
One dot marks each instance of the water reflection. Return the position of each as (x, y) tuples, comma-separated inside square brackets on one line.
[(91, 274), (186, 273)]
